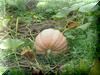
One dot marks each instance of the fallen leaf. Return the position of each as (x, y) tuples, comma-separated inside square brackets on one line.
[(72, 24), (28, 53)]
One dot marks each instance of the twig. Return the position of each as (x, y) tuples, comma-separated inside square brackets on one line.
[(4, 36), (38, 64), (30, 32), (16, 58)]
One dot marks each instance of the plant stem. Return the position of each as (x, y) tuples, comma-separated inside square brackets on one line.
[(16, 58), (65, 30), (38, 65), (17, 26)]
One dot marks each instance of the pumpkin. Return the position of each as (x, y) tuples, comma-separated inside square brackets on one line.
[(50, 40)]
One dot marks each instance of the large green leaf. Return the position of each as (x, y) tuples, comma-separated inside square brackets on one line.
[(84, 26), (87, 8), (20, 4), (2, 70), (11, 2), (10, 43), (41, 4), (76, 6), (64, 12)]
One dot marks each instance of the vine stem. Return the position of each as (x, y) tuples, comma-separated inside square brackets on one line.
[(30, 32), (38, 65), (15, 54), (16, 58), (17, 26), (65, 30)]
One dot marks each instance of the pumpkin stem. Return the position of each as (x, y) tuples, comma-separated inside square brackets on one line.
[(48, 51)]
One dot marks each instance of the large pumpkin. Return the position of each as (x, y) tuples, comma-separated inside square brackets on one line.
[(50, 39)]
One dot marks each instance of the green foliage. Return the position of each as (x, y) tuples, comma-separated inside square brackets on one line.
[(82, 41), (68, 69), (87, 7), (2, 8), (65, 11), (14, 71), (2, 69), (96, 14), (49, 7), (10, 43), (78, 7), (95, 68), (84, 26), (3, 23), (20, 4), (29, 43), (83, 68), (75, 34), (17, 71), (26, 16)]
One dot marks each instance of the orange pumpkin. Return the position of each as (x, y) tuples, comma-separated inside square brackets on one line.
[(50, 39)]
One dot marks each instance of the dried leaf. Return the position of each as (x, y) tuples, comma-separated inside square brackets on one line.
[(72, 24), (28, 54)]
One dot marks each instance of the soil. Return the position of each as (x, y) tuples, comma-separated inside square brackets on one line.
[(25, 30)]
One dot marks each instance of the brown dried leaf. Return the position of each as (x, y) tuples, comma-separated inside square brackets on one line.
[(28, 54), (72, 24)]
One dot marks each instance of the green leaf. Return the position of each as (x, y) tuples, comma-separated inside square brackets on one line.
[(69, 35), (68, 68), (10, 43), (66, 10), (83, 66), (95, 70), (14, 71), (2, 70), (20, 4), (11, 2), (89, 1), (84, 26), (41, 4), (62, 13), (87, 8), (76, 6), (3, 22)]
